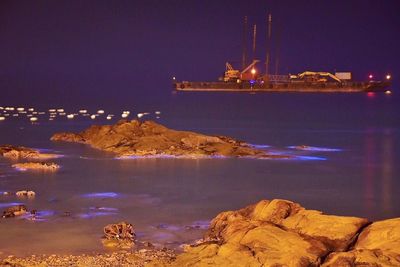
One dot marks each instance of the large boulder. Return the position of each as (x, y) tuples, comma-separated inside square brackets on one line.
[(272, 233), (377, 245), (134, 138)]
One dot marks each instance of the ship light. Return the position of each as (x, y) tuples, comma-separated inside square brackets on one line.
[(388, 92), (174, 78), (388, 77), (253, 71), (371, 76)]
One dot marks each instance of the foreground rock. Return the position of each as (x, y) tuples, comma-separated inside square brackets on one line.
[(377, 245), (119, 235), (44, 166), (283, 233), (133, 138), (14, 211), (20, 152), (139, 258)]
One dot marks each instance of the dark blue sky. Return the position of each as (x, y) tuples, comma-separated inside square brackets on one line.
[(64, 50)]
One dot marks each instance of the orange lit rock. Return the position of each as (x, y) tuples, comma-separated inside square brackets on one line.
[(272, 233), (134, 138), (20, 152)]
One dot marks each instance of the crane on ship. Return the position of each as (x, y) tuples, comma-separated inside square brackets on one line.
[(312, 76), (233, 75)]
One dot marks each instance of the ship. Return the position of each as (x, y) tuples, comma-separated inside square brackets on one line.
[(250, 80)]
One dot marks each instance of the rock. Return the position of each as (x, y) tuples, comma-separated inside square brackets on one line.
[(119, 235), (25, 193), (14, 211), (272, 233), (133, 138), (20, 152), (377, 245), (46, 166)]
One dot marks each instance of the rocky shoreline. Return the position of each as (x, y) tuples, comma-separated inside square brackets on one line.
[(140, 258), (150, 139), (268, 233)]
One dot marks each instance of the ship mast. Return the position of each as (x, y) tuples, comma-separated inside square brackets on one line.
[(269, 32), (254, 41), (244, 43)]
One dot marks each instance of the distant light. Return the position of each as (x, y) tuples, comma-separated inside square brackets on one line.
[(33, 119), (83, 111), (139, 115), (370, 94), (124, 115), (388, 92), (388, 77), (70, 116), (174, 78), (371, 76), (100, 111), (2, 118), (93, 117), (253, 71), (109, 117)]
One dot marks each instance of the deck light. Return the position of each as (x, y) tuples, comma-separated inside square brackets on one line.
[(388, 77), (253, 71)]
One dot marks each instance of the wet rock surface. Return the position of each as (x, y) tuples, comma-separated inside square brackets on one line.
[(45, 166), (134, 138), (20, 152), (283, 233)]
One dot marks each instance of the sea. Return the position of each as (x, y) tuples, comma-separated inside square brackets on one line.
[(345, 148)]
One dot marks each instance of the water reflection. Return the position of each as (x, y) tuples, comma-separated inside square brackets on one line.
[(387, 171)]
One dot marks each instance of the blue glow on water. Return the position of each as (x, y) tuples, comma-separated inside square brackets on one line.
[(10, 204), (90, 215), (311, 158), (259, 146), (314, 148), (102, 195)]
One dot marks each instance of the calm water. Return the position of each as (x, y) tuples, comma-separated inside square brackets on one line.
[(161, 197)]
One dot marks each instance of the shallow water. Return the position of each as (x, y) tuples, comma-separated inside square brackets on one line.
[(350, 168)]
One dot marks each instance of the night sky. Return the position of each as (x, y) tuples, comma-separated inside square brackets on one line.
[(57, 51)]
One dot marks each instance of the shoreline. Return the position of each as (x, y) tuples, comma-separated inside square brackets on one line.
[(139, 257)]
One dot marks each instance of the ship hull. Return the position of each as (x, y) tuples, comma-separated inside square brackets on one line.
[(352, 87)]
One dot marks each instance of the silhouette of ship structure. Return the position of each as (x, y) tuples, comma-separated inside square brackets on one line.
[(249, 79)]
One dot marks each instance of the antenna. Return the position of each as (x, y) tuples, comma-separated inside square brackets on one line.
[(278, 48), (244, 43), (269, 32), (254, 41)]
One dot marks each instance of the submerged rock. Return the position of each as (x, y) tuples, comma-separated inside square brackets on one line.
[(133, 138), (283, 233), (46, 166), (20, 152), (13, 211), (119, 235)]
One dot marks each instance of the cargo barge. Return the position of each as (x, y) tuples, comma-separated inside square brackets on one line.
[(250, 80), (284, 86)]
